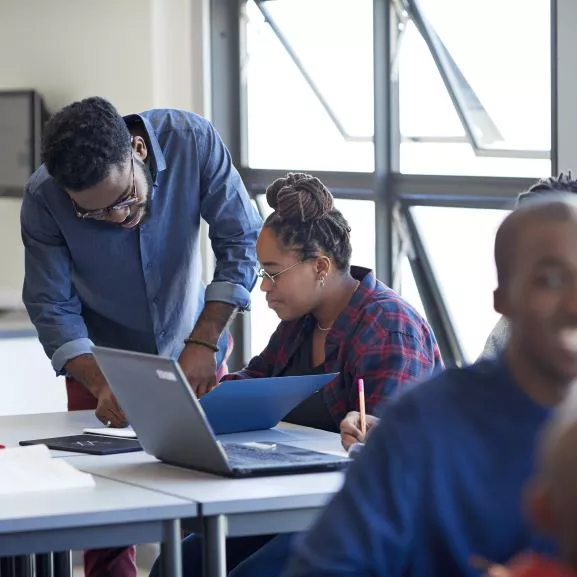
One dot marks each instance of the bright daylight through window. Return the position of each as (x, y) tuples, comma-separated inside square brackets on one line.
[(299, 52), (502, 81), (471, 103)]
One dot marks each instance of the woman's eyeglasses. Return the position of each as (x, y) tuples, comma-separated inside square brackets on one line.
[(271, 277)]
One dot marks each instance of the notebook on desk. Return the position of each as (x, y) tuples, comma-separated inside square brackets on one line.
[(89, 444), (172, 425)]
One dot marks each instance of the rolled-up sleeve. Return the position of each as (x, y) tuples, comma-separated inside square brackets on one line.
[(233, 221), (48, 293)]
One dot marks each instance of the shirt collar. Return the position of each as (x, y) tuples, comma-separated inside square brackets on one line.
[(158, 162)]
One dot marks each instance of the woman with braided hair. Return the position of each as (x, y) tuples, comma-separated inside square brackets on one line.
[(334, 318)]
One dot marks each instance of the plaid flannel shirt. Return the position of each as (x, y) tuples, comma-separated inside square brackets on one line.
[(379, 337)]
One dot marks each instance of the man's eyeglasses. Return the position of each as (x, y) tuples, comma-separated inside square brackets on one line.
[(271, 277), (127, 200)]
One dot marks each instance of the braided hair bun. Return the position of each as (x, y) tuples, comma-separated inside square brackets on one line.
[(300, 197), (306, 220)]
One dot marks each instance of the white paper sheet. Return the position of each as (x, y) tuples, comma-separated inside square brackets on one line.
[(125, 432), (32, 469)]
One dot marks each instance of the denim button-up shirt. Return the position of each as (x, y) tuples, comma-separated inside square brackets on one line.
[(89, 282)]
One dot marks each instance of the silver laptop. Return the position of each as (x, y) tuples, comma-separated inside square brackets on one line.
[(171, 425)]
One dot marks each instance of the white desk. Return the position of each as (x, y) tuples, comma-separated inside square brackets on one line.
[(16, 428), (110, 514), (233, 507)]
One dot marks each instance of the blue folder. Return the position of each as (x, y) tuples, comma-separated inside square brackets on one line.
[(256, 404)]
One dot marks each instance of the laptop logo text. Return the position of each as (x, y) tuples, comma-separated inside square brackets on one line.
[(165, 375)]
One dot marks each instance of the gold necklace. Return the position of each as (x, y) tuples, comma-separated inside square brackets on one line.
[(323, 329)]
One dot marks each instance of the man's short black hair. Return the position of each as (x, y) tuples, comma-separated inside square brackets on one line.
[(83, 142), (563, 183)]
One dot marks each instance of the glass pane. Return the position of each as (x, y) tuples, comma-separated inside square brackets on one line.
[(287, 125), (409, 289), (361, 217), (465, 271), (510, 75)]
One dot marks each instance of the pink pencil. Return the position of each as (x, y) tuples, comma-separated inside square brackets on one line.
[(363, 418)]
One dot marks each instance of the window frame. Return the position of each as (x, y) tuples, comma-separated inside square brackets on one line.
[(393, 192)]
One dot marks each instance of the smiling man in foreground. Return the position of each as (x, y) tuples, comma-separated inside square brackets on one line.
[(111, 230), (440, 480)]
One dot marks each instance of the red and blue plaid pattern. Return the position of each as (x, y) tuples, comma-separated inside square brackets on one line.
[(379, 337)]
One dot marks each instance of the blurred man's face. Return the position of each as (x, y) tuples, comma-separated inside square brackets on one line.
[(540, 298)]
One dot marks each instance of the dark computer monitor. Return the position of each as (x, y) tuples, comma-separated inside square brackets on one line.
[(22, 118)]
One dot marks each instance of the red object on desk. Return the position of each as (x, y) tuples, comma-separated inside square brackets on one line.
[(2, 446)]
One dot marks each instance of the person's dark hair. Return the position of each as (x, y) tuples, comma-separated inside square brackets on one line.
[(305, 219), (83, 142), (563, 183)]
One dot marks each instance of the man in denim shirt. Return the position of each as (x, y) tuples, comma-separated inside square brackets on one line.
[(111, 229)]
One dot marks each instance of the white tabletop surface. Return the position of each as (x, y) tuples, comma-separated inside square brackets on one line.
[(16, 428), (216, 494), (107, 502)]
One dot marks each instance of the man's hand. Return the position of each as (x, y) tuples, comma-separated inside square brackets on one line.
[(197, 361), (108, 410), (86, 371), (199, 366), (351, 428)]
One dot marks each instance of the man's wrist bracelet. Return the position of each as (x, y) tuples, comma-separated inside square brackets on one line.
[(191, 341)]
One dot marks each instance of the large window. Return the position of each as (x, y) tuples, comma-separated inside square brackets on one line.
[(459, 242), (409, 289), (495, 57), (309, 84), (468, 98)]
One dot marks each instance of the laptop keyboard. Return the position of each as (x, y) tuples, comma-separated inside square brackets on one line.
[(243, 454)]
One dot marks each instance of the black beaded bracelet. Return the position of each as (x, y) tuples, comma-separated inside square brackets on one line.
[(202, 343)]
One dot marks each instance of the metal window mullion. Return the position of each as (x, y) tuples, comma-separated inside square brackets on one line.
[(226, 44), (341, 184), (554, 88), (386, 136)]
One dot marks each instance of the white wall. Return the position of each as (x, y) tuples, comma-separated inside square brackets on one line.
[(11, 255), (139, 54)]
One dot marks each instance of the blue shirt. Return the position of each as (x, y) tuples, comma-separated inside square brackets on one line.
[(440, 480), (92, 282)]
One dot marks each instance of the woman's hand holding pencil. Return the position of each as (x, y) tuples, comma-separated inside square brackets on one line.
[(351, 428), (356, 425)]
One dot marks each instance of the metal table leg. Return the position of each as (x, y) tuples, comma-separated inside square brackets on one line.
[(7, 567), (25, 566), (171, 550), (44, 565), (215, 529), (63, 564)]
